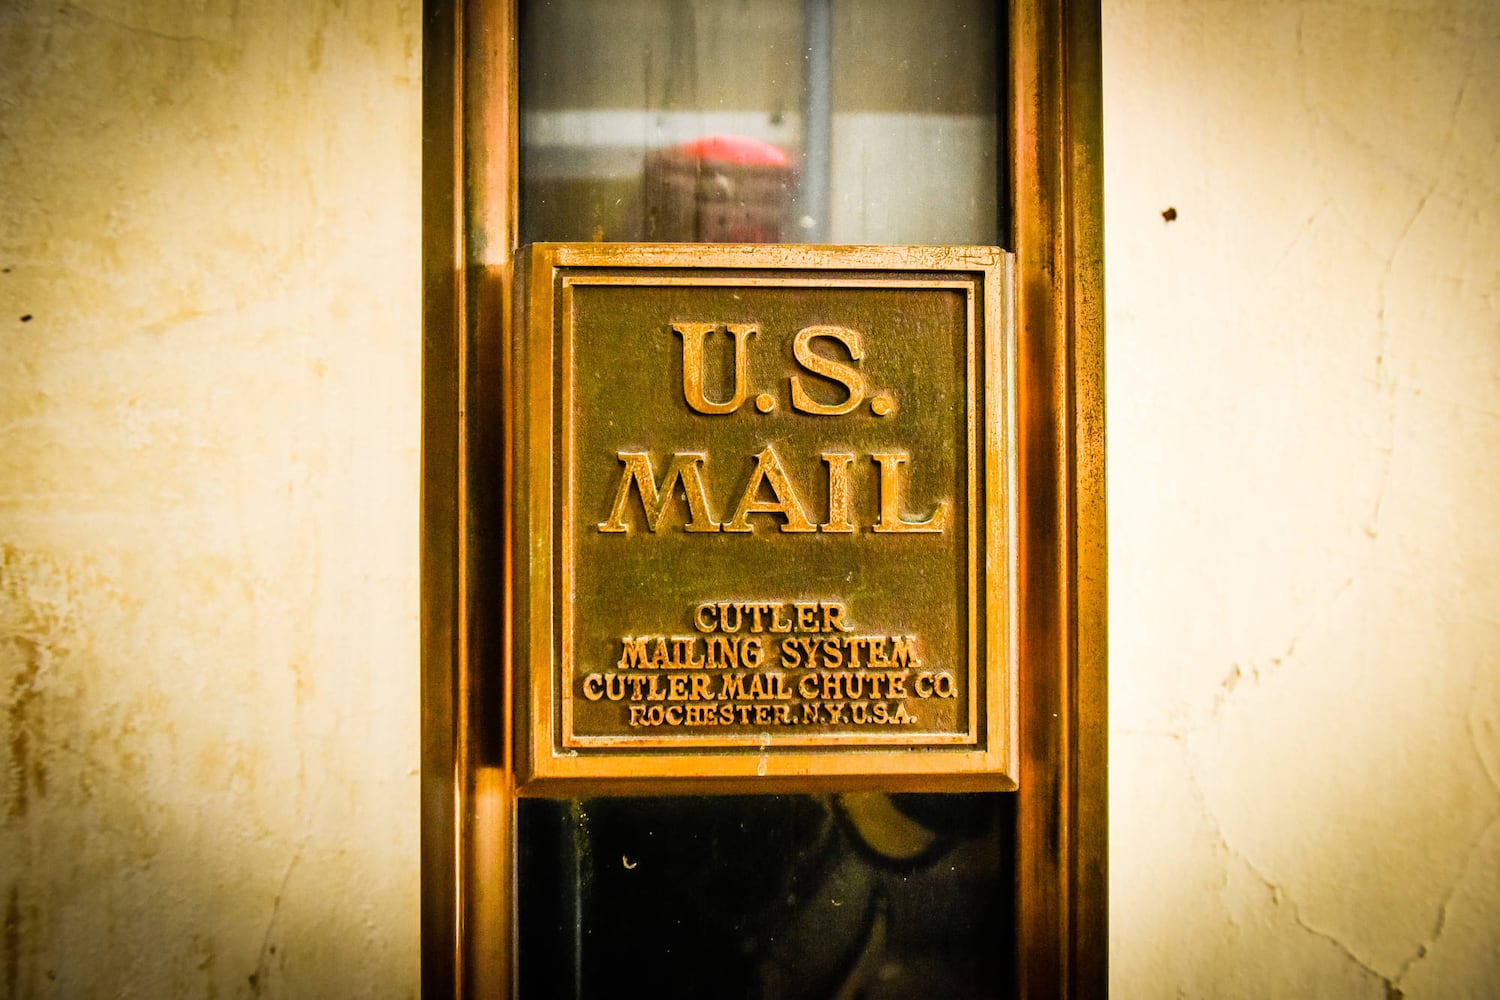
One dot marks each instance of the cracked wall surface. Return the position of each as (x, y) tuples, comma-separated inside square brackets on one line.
[(209, 423), (1304, 407)]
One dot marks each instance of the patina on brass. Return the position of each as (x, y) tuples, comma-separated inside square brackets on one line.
[(775, 485)]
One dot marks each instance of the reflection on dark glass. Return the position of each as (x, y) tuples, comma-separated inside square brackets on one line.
[(718, 189), (795, 897), (850, 122), (760, 121)]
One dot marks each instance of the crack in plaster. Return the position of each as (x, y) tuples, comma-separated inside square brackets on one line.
[(1385, 381), (1230, 684), (1441, 922), (1484, 764), (1279, 894), (1458, 102), (267, 949), (145, 32), (1375, 155), (1302, 230), (1471, 727)]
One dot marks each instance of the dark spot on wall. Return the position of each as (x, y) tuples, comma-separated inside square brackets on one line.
[(26, 318), (1170, 215)]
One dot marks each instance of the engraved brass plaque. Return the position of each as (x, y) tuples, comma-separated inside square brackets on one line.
[(765, 522)]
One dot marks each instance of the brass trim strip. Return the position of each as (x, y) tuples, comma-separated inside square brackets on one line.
[(468, 219), (442, 281), (1055, 86)]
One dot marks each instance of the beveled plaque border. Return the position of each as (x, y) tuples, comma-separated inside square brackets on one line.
[(976, 604), (553, 760)]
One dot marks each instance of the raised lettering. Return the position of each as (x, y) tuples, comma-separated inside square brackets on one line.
[(769, 471), (685, 467), (632, 653), (840, 491), (693, 336), (890, 500), (836, 371)]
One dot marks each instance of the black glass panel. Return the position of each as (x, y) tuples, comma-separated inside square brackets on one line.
[(795, 897)]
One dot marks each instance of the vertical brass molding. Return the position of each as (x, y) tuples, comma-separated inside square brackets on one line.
[(442, 325), (1089, 883), (469, 211), (1062, 948), (488, 800)]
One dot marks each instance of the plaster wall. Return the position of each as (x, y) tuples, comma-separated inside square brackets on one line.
[(1304, 411), (209, 388), (208, 508)]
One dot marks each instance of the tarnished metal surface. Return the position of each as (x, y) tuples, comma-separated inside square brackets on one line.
[(778, 500)]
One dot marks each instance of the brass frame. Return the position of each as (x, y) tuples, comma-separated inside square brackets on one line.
[(469, 240)]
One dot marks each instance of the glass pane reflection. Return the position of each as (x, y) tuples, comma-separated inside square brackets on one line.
[(835, 122), (794, 897)]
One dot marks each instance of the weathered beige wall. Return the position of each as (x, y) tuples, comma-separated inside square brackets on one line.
[(208, 497), (1304, 405), (208, 511)]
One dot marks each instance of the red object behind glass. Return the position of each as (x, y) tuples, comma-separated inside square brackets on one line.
[(718, 189)]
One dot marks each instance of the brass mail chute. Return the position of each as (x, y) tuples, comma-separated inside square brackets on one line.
[(768, 493)]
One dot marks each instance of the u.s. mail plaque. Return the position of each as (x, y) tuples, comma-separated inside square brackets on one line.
[(765, 515)]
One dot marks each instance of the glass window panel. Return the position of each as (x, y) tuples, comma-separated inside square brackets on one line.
[(760, 120), (763, 121)]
